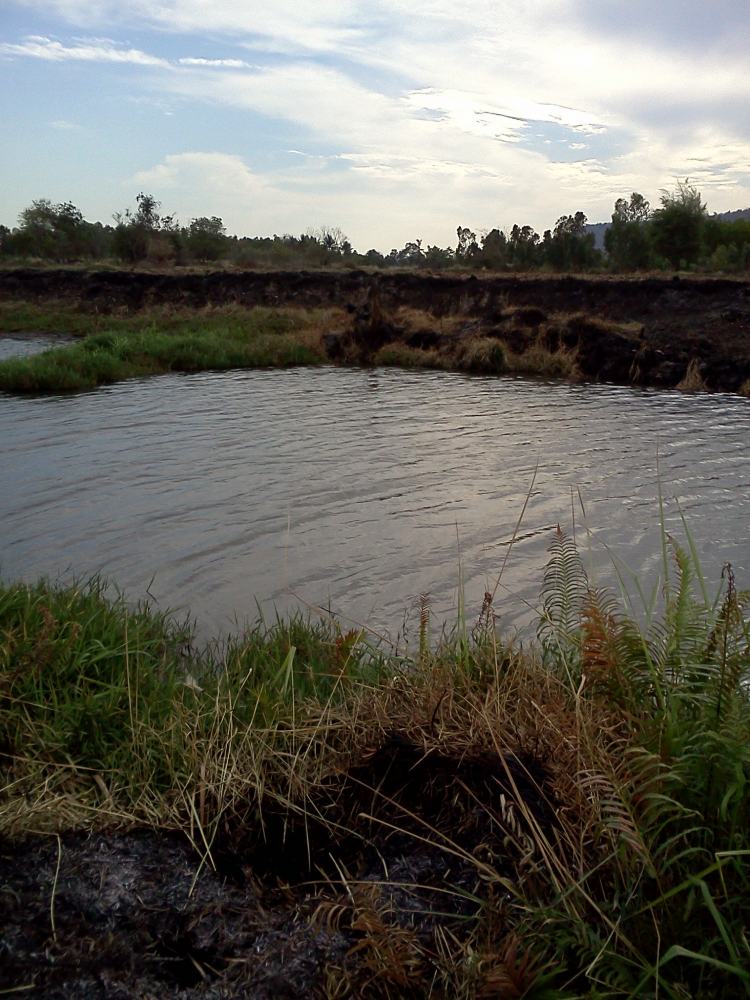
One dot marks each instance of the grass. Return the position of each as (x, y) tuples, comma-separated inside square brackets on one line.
[(159, 339), (595, 784), (156, 341)]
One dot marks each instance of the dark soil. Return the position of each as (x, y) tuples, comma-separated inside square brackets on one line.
[(288, 914), (643, 331)]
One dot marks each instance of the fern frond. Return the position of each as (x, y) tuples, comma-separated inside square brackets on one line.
[(564, 589)]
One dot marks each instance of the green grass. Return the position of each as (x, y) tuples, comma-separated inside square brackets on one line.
[(637, 736), (158, 341)]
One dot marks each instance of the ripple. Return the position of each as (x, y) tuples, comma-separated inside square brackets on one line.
[(361, 488)]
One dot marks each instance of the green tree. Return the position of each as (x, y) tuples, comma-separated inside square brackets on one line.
[(438, 258), (494, 253), (628, 239), (570, 247), (679, 224), (145, 233), (54, 232), (524, 248), (206, 238)]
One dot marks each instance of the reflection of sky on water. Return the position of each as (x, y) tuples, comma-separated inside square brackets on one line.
[(361, 488), (24, 345)]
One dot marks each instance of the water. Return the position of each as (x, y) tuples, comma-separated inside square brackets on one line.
[(19, 345), (361, 489)]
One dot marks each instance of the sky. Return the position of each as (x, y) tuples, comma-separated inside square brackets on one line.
[(390, 119)]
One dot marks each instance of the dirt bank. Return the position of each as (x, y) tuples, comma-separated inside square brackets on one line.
[(644, 331)]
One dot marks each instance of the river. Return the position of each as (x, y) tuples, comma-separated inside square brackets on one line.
[(358, 490)]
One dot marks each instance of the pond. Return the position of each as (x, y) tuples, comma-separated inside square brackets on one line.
[(359, 490)]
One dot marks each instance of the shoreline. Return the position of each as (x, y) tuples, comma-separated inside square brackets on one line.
[(666, 332)]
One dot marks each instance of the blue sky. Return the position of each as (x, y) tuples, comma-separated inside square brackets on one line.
[(389, 119)]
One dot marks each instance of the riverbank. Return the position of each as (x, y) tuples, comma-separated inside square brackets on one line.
[(301, 811), (680, 332)]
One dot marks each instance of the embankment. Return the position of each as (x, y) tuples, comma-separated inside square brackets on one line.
[(642, 331)]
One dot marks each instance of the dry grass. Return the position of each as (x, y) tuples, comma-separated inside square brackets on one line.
[(692, 380), (402, 356)]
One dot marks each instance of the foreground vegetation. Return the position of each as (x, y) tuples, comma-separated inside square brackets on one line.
[(583, 802)]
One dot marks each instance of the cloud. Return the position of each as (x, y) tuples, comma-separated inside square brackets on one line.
[(475, 109), (41, 47), (212, 174), (214, 63)]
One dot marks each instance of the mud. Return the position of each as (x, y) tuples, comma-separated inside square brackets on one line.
[(643, 331), (299, 911)]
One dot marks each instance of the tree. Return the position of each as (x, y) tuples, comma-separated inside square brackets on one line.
[(55, 232), (494, 253), (438, 258), (569, 247), (679, 224), (628, 239), (206, 238), (467, 244), (523, 248), (635, 210), (144, 233)]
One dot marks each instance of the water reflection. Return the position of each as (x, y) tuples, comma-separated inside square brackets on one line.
[(360, 489)]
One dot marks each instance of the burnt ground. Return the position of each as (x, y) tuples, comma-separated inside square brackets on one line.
[(635, 330), (300, 912)]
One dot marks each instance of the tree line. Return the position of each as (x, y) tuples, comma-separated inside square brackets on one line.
[(679, 234)]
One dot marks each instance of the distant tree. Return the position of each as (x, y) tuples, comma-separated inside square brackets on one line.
[(144, 233), (637, 209), (524, 250), (628, 240), (570, 247), (374, 257), (494, 253), (206, 238), (727, 243), (54, 232), (438, 258), (679, 224), (5, 240), (331, 238), (410, 255), (467, 246)]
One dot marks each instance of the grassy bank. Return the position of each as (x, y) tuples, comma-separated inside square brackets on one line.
[(152, 342), (156, 340), (471, 818)]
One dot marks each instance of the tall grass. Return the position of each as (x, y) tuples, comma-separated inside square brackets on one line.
[(595, 781), (184, 341)]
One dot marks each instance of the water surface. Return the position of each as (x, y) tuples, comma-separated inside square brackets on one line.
[(360, 489)]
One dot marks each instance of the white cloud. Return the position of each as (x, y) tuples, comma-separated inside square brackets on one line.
[(41, 47), (213, 175), (214, 63), (428, 106)]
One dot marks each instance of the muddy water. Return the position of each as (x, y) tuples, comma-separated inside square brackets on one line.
[(361, 489)]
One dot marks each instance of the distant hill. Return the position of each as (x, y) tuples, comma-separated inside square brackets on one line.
[(598, 229)]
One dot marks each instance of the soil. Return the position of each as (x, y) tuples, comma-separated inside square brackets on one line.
[(643, 331), (298, 912)]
